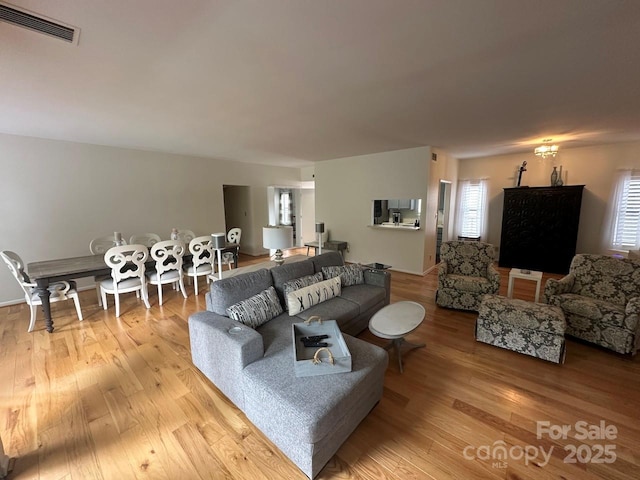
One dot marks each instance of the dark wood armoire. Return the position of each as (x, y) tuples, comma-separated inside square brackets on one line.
[(540, 227)]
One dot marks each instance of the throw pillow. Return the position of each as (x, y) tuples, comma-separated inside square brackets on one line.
[(257, 310), (349, 274), (298, 283), (306, 297), (634, 254)]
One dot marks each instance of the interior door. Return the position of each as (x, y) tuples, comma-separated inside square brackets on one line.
[(443, 215), (308, 215)]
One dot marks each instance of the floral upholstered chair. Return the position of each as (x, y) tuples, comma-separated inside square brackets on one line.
[(466, 274), (600, 298)]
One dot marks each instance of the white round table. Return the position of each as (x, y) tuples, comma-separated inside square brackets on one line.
[(395, 321)]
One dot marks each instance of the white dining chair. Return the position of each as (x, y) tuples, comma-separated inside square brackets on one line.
[(186, 236), (127, 273), (59, 291), (201, 261), (146, 239), (233, 236), (168, 256), (99, 246)]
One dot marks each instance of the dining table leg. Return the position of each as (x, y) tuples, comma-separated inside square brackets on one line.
[(42, 287)]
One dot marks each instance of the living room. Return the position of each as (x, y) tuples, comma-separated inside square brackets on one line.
[(132, 129)]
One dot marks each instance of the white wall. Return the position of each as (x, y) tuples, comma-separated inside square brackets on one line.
[(593, 167), (444, 168), (55, 196), (345, 190)]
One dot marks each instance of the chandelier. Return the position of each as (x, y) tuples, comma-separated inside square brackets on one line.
[(546, 151)]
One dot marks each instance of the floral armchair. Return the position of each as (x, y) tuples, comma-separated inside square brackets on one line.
[(600, 298), (466, 274)]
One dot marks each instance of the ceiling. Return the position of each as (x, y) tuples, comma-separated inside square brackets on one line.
[(290, 82)]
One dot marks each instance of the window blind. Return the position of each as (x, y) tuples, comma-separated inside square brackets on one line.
[(472, 208), (626, 227)]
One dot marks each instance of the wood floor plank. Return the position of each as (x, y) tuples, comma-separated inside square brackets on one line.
[(234, 457), (119, 398)]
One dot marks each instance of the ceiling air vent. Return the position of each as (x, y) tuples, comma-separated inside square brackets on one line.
[(38, 23)]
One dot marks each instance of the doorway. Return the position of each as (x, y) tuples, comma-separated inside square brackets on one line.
[(237, 205), (295, 207), (443, 215)]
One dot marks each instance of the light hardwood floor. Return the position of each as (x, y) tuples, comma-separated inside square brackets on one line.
[(119, 398)]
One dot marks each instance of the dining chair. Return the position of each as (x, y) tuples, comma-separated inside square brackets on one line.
[(233, 236), (127, 273), (168, 256), (202, 259), (146, 239), (59, 291), (186, 236), (99, 246)]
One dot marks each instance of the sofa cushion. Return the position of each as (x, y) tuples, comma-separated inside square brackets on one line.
[(335, 309), (272, 382), (298, 283), (466, 284), (591, 308), (306, 297), (614, 280), (229, 291), (276, 334), (366, 296), (290, 271), (467, 258), (328, 259), (349, 274), (256, 310)]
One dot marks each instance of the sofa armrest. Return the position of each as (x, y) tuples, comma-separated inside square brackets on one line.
[(557, 287), (494, 277), (379, 278), (632, 321), (632, 307), (443, 269), (222, 355)]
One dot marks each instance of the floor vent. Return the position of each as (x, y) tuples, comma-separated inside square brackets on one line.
[(38, 23)]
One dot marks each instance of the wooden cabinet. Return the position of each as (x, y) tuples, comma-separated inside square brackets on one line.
[(540, 227)]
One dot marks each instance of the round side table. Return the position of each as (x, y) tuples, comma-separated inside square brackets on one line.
[(395, 321)]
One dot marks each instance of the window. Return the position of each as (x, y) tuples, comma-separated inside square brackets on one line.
[(285, 208), (471, 215), (625, 213)]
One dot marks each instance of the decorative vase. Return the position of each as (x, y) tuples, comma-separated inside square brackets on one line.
[(554, 177), (559, 183)]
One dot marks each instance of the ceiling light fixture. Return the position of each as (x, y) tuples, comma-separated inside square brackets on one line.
[(546, 150)]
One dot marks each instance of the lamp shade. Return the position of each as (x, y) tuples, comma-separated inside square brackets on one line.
[(319, 227), (277, 237), (218, 240)]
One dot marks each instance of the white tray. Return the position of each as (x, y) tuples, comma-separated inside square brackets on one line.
[(304, 365)]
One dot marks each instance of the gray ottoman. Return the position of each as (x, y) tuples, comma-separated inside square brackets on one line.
[(534, 329)]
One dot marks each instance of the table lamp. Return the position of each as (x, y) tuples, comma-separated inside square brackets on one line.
[(117, 239), (277, 237), (218, 240), (320, 231)]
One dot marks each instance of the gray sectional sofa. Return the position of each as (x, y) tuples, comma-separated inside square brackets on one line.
[(307, 418)]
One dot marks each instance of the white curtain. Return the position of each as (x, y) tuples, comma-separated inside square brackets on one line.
[(622, 223), (472, 209)]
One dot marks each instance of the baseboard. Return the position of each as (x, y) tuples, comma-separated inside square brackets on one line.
[(410, 272), (431, 268)]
